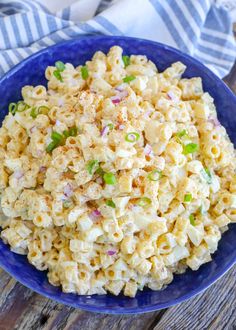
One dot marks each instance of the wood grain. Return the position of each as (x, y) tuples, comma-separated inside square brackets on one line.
[(215, 309), (22, 309), (230, 79)]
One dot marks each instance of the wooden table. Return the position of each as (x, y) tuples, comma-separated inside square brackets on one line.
[(215, 309)]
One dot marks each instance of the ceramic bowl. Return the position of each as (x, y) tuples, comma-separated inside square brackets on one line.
[(185, 286)]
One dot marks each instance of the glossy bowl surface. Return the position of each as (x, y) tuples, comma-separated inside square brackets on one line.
[(185, 286)]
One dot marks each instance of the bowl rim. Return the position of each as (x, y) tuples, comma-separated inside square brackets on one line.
[(122, 310), (119, 309)]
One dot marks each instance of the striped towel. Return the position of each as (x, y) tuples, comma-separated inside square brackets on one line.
[(201, 28)]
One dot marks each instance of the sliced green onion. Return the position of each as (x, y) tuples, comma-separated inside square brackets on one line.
[(40, 110), (126, 60), (190, 148), (52, 145), (132, 137), (208, 171), (182, 133), (84, 72), (155, 175), (111, 126), (21, 106), (109, 178), (128, 79), (60, 66), (67, 204), (12, 108), (57, 74), (92, 166), (34, 112), (144, 201), (66, 133), (188, 198), (111, 204), (17, 107), (100, 171), (207, 175), (56, 137), (43, 110), (192, 219), (73, 131)]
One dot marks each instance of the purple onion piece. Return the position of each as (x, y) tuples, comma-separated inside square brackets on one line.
[(18, 174), (42, 169), (104, 131), (68, 190), (111, 253), (147, 150)]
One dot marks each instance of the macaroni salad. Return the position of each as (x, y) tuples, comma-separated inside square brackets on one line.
[(116, 176)]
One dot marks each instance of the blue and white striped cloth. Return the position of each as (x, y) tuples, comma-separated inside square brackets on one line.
[(201, 28)]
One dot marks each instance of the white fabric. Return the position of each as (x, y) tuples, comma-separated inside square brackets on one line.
[(200, 28)]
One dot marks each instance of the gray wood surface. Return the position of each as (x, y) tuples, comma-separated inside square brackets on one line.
[(215, 309), (22, 309)]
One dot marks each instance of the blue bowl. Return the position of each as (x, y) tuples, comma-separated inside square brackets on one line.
[(185, 286)]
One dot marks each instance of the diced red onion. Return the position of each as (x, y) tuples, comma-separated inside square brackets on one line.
[(123, 94), (49, 130), (42, 169), (214, 121), (96, 213), (58, 123), (115, 100), (104, 131), (99, 180), (83, 199), (171, 96), (217, 123), (147, 150), (120, 88), (120, 96), (39, 153), (92, 90), (121, 127), (68, 190), (32, 129), (147, 114), (96, 75), (111, 252), (60, 102), (18, 174)]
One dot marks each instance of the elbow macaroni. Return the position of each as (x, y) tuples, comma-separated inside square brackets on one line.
[(116, 176)]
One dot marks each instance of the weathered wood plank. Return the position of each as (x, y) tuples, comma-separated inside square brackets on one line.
[(7, 283), (230, 79), (22, 309), (101, 322), (215, 309), (13, 300), (38, 313), (86, 320)]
